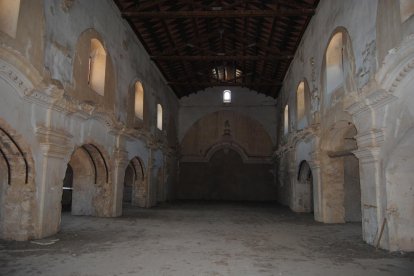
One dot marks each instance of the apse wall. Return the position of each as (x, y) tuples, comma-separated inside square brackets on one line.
[(226, 155)]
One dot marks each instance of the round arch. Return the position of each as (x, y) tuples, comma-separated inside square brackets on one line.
[(91, 181), (338, 67), (17, 186), (135, 188)]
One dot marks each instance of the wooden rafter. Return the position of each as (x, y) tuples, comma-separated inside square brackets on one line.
[(138, 15)]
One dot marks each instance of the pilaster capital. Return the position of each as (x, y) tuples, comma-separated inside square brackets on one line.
[(120, 157), (54, 142)]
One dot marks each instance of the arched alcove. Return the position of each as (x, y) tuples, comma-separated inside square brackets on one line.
[(286, 120), (97, 66), (304, 188), (139, 100), (406, 9), (94, 78), (340, 176), (302, 105), (9, 15), (17, 188), (90, 178), (135, 188), (338, 67), (159, 117), (67, 190), (226, 156)]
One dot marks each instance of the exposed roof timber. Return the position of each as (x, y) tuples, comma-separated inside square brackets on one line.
[(137, 15), (220, 58), (215, 83)]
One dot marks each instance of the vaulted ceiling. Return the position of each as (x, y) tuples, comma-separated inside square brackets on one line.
[(198, 44)]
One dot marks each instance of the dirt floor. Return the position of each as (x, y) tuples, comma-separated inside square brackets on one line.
[(202, 238)]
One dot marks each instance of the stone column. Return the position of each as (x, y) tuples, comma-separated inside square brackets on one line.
[(368, 115), (151, 192), (120, 162), (56, 148)]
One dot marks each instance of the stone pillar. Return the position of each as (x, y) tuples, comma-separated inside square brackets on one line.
[(315, 165), (56, 148), (369, 116), (151, 192), (120, 162), (370, 175)]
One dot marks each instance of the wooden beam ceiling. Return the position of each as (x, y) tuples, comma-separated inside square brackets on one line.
[(191, 41)]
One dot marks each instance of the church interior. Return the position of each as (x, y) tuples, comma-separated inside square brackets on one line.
[(206, 137)]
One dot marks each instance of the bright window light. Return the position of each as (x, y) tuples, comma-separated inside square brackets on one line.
[(226, 96)]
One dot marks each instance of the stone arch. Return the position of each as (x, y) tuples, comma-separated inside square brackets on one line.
[(135, 180), (338, 68), (17, 187), (226, 145), (133, 120), (82, 88), (232, 129), (303, 101), (341, 191), (91, 181), (160, 116), (286, 120), (9, 15), (304, 189)]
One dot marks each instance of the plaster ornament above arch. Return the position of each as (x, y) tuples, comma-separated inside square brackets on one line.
[(397, 65)]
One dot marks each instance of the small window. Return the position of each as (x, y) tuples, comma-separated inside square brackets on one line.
[(9, 15), (334, 63), (286, 120), (226, 96), (139, 100), (300, 101), (97, 66), (159, 116), (406, 9)]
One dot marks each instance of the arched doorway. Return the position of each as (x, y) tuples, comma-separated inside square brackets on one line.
[(84, 189), (17, 189), (342, 190), (129, 180), (67, 190), (304, 189), (135, 190)]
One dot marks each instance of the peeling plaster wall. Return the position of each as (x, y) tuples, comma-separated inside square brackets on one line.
[(37, 81), (373, 100), (131, 62)]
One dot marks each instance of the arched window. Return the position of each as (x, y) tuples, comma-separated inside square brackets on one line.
[(139, 100), (300, 101), (226, 96), (159, 116), (97, 66), (286, 120), (334, 63), (9, 15), (406, 9)]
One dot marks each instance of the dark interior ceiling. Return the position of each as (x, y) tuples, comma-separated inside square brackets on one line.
[(204, 43)]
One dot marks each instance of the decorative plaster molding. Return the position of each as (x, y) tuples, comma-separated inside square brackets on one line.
[(53, 142), (248, 159), (372, 138), (120, 157), (397, 65), (367, 155), (15, 78)]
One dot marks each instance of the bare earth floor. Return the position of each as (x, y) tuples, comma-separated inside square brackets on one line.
[(203, 238)]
